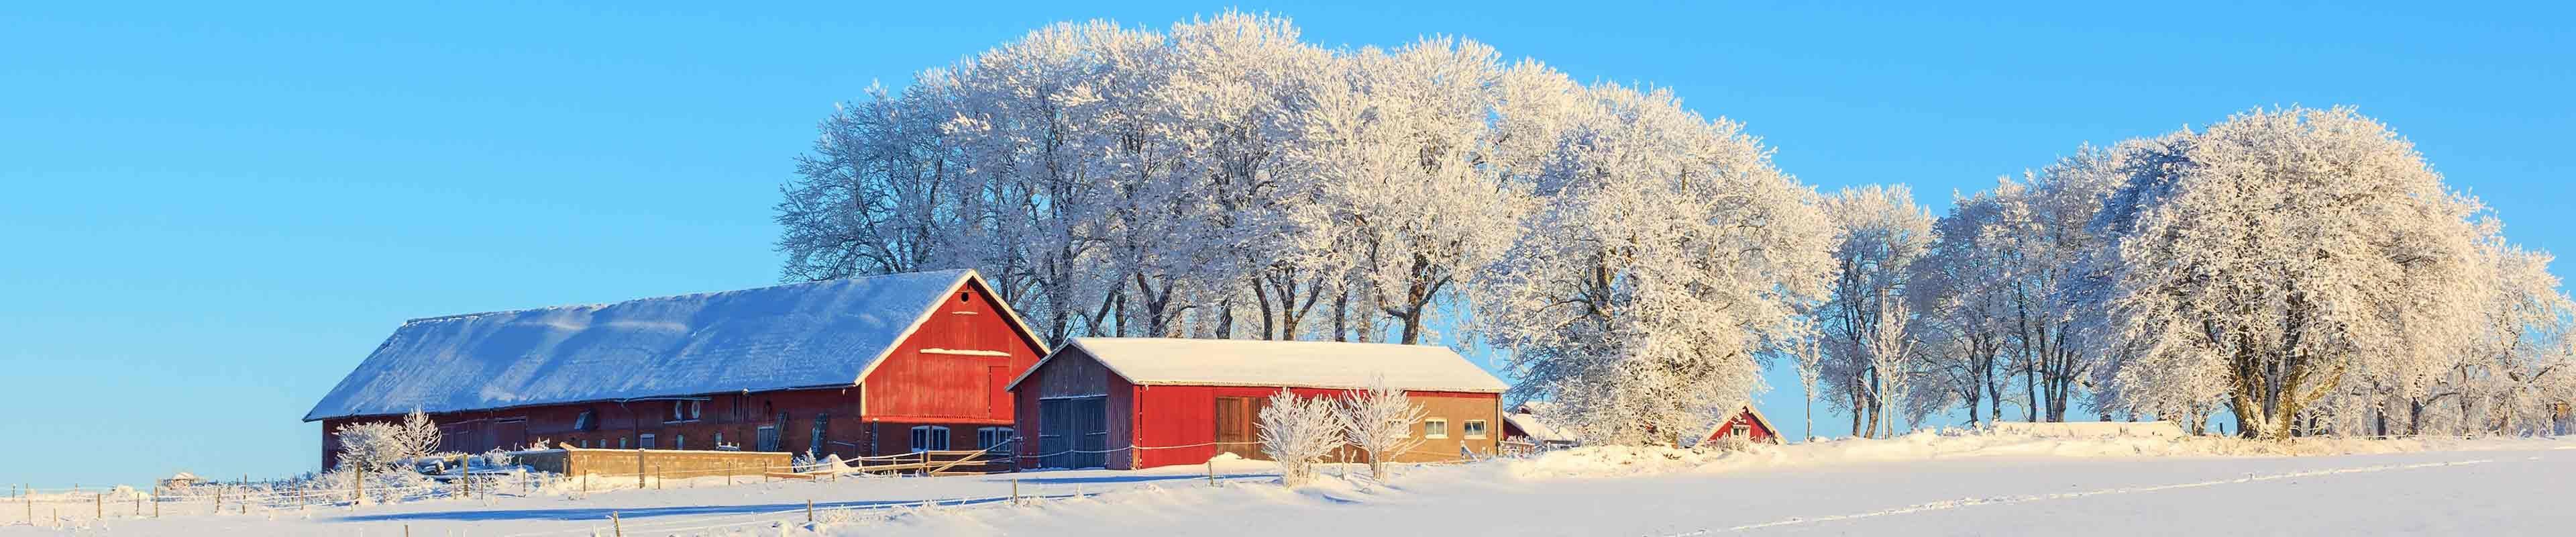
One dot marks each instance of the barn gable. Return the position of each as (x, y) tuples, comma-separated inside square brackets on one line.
[(804, 335)]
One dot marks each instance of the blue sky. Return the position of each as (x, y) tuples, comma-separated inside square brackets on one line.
[(210, 213)]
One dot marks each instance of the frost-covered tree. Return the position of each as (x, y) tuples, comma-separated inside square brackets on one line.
[(416, 437), (2280, 254), (1891, 351), (1964, 310), (1666, 258), (1219, 178), (1410, 171), (1297, 431), (1883, 234), (370, 445), (1379, 421)]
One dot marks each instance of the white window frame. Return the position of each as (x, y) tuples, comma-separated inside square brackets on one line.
[(1444, 427), (925, 436), (997, 439), (1740, 430), (1474, 429)]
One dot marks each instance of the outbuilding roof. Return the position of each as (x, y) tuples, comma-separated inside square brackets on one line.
[(803, 335), (1302, 364)]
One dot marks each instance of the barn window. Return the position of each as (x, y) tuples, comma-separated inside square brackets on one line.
[(1742, 430), (1472, 428), (719, 439), (644, 441), (929, 438), (621, 443), (966, 296), (1435, 428), (995, 439), (697, 408), (679, 441), (586, 421)]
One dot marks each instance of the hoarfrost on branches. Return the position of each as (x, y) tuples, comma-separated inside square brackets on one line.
[(1379, 421), (1297, 432)]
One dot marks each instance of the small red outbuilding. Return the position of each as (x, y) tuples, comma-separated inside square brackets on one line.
[(1747, 423), (1129, 403)]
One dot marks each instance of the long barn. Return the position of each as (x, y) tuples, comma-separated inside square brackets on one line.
[(861, 366), (1131, 403)]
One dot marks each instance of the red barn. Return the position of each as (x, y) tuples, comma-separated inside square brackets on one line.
[(1129, 403), (861, 366), (1747, 423)]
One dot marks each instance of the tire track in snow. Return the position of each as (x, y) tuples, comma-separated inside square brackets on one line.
[(1973, 502)]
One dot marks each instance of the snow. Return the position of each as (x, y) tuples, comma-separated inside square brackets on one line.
[(1536, 428), (1303, 364), (1919, 484), (2090, 428), (825, 333)]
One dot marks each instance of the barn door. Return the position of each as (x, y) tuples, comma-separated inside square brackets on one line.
[(1055, 433), (1235, 426), (1073, 433), (1091, 418)]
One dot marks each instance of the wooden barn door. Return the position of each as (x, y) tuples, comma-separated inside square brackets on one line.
[(1073, 433), (509, 433), (1237, 421)]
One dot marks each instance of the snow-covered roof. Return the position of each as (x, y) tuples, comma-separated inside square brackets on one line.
[(1535, 427), (1303, 364), (804, 335)]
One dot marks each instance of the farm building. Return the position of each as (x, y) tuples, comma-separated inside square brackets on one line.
[(1747, 423), (1130, 403), (1528, 423), (1525, 425), (861, 366)]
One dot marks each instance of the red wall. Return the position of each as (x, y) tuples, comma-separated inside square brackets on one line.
[(1761, 431), (916, 387)]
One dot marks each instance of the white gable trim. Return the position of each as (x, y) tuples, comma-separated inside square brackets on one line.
[(927, 313)]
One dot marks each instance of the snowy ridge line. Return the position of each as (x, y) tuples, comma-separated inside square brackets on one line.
[(1972, 502)]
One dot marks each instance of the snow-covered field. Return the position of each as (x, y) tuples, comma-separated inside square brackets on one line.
[(1917, 485)]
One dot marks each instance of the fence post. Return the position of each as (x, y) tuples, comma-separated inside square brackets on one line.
[(1015, 491), (809, 512), (1211, 472), (613, 526), (98, 506)]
